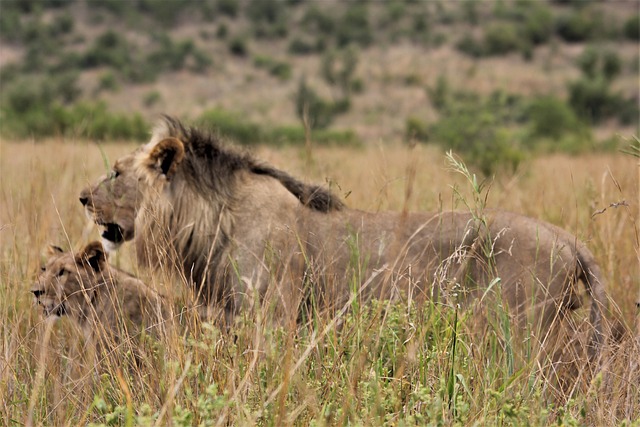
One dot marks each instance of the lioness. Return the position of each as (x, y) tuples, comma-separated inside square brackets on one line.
[(103, 300), (234, 227)]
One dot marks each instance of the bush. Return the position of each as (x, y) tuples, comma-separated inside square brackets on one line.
[(354, 27), (316, 21), (501, 38), (236, 128), (231, 126), (313, 110), (92, 121), (238, 46), (597, 63), (591, 99), (268, 18), (538, 24), (470, 45), (338, 68), (476, 129), (550, 117), (631, 28), (479, 139), (304, 46), (580, 25), (279, 69), (109, 49)]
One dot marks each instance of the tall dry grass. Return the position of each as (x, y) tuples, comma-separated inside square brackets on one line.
[(395, 365)]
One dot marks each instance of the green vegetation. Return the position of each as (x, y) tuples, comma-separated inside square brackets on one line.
[(241, 131), (313, 51)]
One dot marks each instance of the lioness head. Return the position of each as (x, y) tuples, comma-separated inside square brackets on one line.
[(113, 202), (68, 281)]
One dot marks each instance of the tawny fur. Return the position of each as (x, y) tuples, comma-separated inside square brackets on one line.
[(104, 301), (236, 229)]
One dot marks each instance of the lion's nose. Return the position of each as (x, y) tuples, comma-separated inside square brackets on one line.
[(84, 200)]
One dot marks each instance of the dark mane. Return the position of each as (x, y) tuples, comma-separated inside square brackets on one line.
[(210, 165)]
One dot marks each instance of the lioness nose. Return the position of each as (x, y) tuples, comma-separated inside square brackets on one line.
[(84, 200)]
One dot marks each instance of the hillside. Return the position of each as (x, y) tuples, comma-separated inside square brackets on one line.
[(512, 76)]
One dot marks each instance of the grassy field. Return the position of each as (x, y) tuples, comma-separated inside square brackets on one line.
[(398, 366)]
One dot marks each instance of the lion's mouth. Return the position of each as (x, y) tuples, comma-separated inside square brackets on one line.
[(113, 233)]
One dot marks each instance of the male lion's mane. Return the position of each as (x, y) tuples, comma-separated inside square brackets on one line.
[(192, 224), (205, 153)]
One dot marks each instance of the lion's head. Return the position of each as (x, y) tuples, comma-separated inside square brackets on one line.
[(68, 282), (113, 201)]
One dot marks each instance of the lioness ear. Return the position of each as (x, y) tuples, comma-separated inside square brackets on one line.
[(54, 250), (94, 255), (165, 156)]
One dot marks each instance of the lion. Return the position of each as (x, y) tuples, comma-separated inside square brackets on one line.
[(239, 230), (103, 300)]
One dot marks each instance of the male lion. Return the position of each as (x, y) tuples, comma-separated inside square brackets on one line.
[(102, 299), (234, 228)]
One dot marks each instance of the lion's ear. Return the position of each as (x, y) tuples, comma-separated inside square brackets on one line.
[(165, 156), (94, 255), (54, 250)]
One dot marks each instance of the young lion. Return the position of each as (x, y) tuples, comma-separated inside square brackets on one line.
[(102, 299)]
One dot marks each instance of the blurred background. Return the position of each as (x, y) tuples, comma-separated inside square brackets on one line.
[(496, 81)]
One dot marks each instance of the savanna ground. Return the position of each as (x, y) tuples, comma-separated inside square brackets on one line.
[(399, 366)]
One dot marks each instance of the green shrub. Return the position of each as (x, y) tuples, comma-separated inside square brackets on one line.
[(109, 49), (10, 25), (62, 24), (591, 99), (440, 93), (305, 46), (338, 68), (631, 28), (316, 21), (228, 7), (232, 126), (501, 38), (268, 18), (538, 24), (152, 98), (417, 129), (238, 129), (600, 63), (312, 109), (92, 121), (108, 81), (469, 45), (166, 12), (550, 117), (279, 69), (480, 129), (479, 138), (580, 25), (238, 46), (354, 27)]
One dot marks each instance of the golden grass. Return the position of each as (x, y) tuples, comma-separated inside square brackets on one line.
[(271, 375)]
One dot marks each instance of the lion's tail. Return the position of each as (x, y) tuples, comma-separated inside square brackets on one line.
[(590, 274)]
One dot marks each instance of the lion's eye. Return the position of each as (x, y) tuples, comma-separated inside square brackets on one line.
[(114, 174), (61, 272), (43, 268)]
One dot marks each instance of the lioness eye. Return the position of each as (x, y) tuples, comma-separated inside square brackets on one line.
[(115, 174), (61, 272), (43, 268)]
